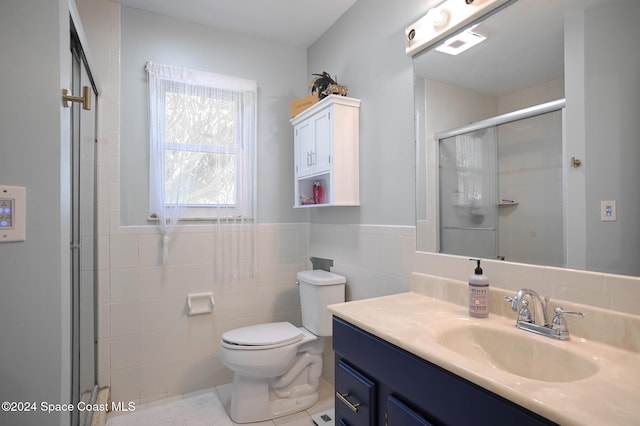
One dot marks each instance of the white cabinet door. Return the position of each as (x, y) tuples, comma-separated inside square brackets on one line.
[(313, 140), (321, 156), (304, 145)]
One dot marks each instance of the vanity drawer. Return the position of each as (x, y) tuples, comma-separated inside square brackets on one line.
[(355, 396), (398, 414)]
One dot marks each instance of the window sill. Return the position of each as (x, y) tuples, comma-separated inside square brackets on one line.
[(207, 219)]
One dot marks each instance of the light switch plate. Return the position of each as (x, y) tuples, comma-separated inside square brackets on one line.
[(608, 211), (13, 202)]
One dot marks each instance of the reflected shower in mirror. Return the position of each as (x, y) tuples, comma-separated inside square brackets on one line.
[(545, 209), (500, 191)]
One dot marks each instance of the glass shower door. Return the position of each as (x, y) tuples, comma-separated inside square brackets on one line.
[(83, 238), (468, 173)]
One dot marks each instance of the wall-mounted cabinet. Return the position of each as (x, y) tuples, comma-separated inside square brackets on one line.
[(327, 153)]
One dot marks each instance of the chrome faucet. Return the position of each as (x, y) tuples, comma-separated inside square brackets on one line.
[(528, 322)]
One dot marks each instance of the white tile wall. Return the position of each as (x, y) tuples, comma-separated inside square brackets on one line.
[(377, 260), (607, 291), (150, 334)]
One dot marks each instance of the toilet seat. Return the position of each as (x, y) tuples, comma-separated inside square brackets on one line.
[(262, 336)]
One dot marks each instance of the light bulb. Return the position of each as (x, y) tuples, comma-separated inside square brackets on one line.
[(439, 18)]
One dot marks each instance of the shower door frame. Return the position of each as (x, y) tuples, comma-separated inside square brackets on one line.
[(83, 236)]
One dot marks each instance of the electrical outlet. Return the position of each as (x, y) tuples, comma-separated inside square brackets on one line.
[(608, 211)]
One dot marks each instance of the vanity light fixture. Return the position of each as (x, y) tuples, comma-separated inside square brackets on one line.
[(451, 17)]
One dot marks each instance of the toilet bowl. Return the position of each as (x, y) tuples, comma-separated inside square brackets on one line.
[(277, 366)]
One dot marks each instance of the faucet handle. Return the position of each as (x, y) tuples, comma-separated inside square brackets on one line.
[(513, 301), (559, 324), (559, 311)]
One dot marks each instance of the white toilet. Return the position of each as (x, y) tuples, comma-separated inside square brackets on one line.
[(277, 366)]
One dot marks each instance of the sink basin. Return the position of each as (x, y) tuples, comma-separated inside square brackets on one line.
[(522, 355)]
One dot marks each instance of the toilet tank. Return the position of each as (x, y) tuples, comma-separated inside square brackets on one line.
[(318, 289)]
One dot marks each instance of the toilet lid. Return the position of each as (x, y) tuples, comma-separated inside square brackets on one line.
[(270, 334)]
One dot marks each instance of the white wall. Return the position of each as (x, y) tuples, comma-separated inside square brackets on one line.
[(279, 70), (365, 50), (612, 135), (34, 279)]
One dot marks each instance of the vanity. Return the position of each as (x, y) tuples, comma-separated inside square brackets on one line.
[(414, 359), (378, 383)]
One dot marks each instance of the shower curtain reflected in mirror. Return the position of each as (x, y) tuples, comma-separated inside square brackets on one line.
[(501, 192), (469, 194)]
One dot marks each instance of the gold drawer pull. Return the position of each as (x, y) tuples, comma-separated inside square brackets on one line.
[(343, 397)]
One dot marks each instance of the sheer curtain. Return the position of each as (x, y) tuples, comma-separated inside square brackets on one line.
[(202, 160)]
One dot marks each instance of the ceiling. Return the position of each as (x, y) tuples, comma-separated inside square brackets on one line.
[(525, 46), (296, 23)]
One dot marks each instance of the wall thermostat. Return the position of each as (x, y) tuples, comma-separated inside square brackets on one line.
[(13, 202)]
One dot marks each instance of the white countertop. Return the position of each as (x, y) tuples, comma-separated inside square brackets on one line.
[(413, 321)]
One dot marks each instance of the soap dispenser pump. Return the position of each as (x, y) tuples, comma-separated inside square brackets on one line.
[(478, 293)]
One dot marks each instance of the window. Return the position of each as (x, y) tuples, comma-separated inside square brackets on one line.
[(202, 144)]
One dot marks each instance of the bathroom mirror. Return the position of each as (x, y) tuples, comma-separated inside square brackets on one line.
[(569, 199)]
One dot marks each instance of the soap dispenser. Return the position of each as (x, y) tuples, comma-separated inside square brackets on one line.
[(478, 293)]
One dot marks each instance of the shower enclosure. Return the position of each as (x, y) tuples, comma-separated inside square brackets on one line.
[(501, 188), (83, 238)]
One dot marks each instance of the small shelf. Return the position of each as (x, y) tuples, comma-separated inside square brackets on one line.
[(306, 206), (305, 190), (507, 203)]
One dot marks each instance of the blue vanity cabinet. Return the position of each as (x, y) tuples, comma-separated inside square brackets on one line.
[(406, 390), (401, 415), (356, 394)]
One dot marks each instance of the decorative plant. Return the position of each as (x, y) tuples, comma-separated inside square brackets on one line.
[(325, 85)]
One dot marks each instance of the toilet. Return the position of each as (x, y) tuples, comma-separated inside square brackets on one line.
[(277, 366)]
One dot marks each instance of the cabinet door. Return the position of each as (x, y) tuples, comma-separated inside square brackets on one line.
[(304, 147), (398, 414), (313, 144), (355, 397), (323, 142)]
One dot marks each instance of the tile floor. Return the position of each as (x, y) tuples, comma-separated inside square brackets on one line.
[(207, 408)]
